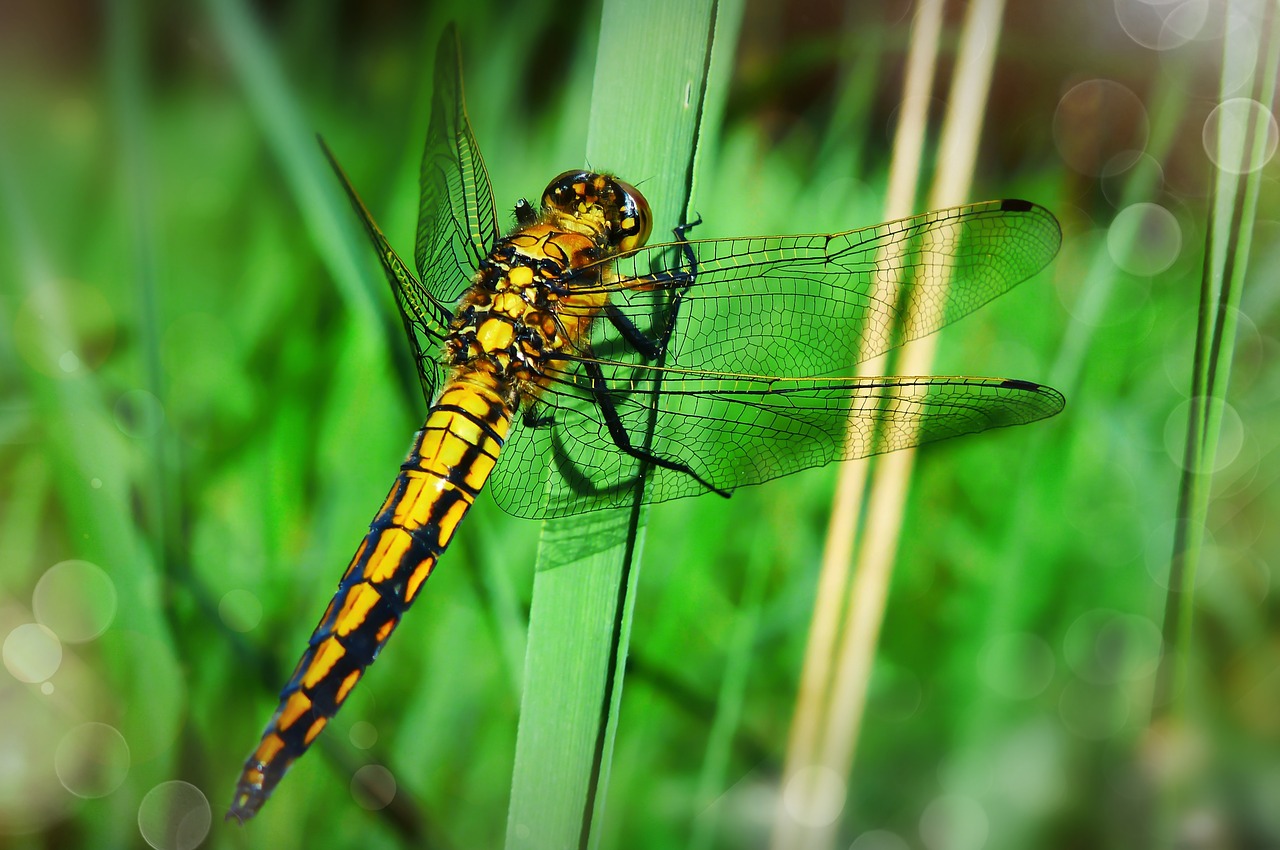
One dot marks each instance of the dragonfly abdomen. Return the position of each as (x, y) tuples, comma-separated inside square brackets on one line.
[(451, 458)]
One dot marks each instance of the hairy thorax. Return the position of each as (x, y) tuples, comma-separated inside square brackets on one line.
[(525, 310)]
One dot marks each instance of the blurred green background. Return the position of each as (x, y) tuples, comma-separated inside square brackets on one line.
[(202, 403)]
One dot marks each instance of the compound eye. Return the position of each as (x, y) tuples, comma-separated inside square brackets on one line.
[(635, 220), (567, 191)]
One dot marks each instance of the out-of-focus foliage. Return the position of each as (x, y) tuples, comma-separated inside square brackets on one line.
[(200, 410)]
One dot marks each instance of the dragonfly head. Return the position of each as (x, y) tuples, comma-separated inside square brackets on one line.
[(625, 211)]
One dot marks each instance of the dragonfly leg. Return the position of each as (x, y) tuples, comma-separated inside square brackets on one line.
[(531, 419), (623, 440), (687, 275), (689, 257), (648, 347)]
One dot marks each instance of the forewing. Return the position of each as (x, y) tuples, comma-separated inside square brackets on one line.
[(425, 323), (799, 306), (457, 219), (734, 431)]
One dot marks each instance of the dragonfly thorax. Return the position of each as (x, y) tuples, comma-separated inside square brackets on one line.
[(621, 208), (522, 311)]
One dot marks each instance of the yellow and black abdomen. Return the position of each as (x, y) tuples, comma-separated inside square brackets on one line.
[(451, 457)]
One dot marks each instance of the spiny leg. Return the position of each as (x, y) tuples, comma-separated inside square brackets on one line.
[(618, 431), (648, 347), (688, 275)]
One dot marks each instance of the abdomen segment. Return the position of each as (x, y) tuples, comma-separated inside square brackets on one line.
[(451, 457)]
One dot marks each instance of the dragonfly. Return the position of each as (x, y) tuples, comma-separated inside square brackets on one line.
[(571, 366)]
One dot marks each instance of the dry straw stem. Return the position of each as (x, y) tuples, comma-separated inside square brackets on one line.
[(803, 746), (841, 712)]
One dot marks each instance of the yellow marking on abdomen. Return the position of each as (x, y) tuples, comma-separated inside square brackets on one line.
[(315, 729), (450, 460), (356, 609), (268, 748), (326, 656), (294, 707), (449, 522), (393, 542), (347, 684), (420, 575)]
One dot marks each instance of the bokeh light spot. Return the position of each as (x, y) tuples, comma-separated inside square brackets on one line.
[(814, 796), (139, 414), (240, 610), (1162, 25), (1240, 135), (373, 787), (63, 326), (1103, 647), (32, 653), (30, 794), (954, 822), (895, 693), (879, 839), (1127, 169), (363, 734), (92, 760), (1016, 665), (1239, 63), (174, 816), (1144, 239), (1159, 551), (1097, 122), (1093, 712), (1231, 436), (76, 600)]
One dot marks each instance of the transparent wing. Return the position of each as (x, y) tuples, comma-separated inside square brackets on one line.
[(737, 431), (742, 398), (457, 219), (425, 323), (818, 304)]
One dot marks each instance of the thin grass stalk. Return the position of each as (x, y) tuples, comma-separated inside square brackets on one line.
[(321, 205), (804, 749), (650, 73), (1227, 242), (129, 107), (891, 478), (1233, 205), (729, 700), (1040, 485)]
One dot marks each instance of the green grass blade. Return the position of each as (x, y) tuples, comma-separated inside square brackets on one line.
[(320, 202), (649, 74), (1227, 243), (1232, 211)]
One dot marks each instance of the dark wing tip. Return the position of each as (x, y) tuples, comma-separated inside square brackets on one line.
[(1053, 401), (1016, 205)]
